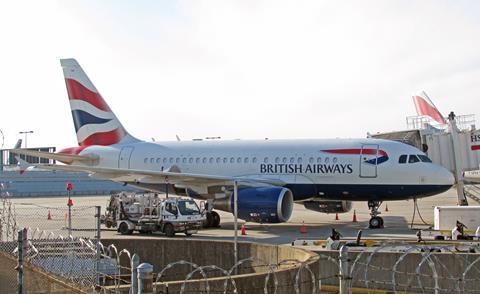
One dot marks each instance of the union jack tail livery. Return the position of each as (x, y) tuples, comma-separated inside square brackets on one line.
[(425, 106), (95, 123)]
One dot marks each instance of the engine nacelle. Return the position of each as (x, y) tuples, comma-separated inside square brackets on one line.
[(260, 204), (327, 206)]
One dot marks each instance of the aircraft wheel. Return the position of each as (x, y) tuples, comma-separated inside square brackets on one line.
[(375, 223), (208, 222), (188, 234), (169, 230), (215, 219)]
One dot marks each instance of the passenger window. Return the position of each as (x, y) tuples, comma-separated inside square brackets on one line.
[(152, 160), (402, 159), (177, 160), (310, 160), (424, 158), (211, 160), (327, 159), (334, 160), (254, 160), (204, 160), (284, 160), (245, 160), (171, 159), (413, 159), (232, 160), (292, 159), (197, 160), (239, 160), (299, 160), (265, 160), (190, 160), (319, 160), (225, 160), (184, 160), (218, 160), (145, 160), (165, 160), (277, 159)]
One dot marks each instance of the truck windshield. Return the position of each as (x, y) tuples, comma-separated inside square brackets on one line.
[(188, 207)]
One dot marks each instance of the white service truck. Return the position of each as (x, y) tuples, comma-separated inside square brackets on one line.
[(148, 213)]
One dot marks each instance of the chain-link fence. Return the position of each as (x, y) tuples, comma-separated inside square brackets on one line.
[(54, 261)]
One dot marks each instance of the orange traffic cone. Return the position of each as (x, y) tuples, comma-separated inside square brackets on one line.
[(336, 216), (354, 216), (244, 233), (386, 207), (303, 228), (49, 216)]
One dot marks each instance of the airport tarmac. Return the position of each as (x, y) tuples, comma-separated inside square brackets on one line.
[(397, 221)]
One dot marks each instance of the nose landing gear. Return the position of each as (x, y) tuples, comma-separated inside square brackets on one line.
[(375, 222)]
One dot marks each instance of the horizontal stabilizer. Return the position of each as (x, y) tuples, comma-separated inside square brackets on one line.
[(55, 156)]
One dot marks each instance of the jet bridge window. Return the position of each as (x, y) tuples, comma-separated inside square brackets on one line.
[(402, 159), (424, 158), (413, 158)]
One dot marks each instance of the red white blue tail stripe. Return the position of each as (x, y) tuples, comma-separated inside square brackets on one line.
[(95, 123)]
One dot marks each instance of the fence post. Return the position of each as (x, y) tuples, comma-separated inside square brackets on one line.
[(344, 271), (145, 278), (133, 266), (22, 242), (97, 249)]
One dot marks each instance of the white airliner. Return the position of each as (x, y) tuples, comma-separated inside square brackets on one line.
[(324, 175)]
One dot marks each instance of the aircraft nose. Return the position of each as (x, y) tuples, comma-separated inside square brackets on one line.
[(446, 177)]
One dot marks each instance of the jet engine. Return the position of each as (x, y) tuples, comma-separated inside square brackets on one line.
[(260, 204), (328, 206)]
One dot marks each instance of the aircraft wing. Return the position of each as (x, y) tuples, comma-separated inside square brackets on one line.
[(159, 177), (55, 156)]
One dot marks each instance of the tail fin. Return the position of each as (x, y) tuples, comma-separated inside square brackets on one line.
[(425, 106), (95, 123)]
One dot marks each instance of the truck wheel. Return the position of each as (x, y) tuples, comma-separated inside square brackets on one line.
[(168, 230), (123, 229), (215, 219)]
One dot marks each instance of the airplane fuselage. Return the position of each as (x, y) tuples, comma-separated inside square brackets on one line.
[(337, 169)]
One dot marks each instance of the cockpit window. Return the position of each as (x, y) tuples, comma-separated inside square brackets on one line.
[(413, 159), (402, 159), (424, 158)]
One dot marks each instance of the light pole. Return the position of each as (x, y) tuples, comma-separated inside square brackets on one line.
[(25, 133)]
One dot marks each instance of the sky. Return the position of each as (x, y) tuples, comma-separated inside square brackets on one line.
[(238, 69)]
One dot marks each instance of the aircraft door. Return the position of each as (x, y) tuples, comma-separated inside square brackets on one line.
[(368, 161), (124, 157)]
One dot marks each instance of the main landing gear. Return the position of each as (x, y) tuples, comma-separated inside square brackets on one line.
[(212, 221), (375, 222)]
